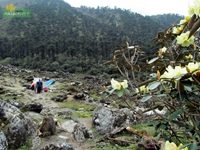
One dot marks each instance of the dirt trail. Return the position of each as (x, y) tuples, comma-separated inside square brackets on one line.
[(30, 96), (44, 98)]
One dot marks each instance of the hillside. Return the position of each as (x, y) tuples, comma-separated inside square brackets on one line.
[(77, 40)]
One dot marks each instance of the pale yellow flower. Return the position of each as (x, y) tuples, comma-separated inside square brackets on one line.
[(115, 84), (173, 146), (188, 57), (193, 66), (183, 39), (177, 30), (142, 89), (194, 8), (185, 20), (170, 146), (164, 49), (172, 72), (124, 84), (178, 148)]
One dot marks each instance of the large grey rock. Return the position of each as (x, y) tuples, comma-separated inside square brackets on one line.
[(69, 125), (36, 107), (81, 133), (105, 119), (16, 103), (48, 126), (18, 127), (3, 141)]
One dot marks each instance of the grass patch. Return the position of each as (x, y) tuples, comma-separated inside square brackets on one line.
[(95, 96), (110, 146), (26, 145), (75, 105), (82, 114), (61, 119), (6, 97), (37, 120), (141, 127)]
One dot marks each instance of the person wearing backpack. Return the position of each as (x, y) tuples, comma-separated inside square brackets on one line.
[(39, 86)]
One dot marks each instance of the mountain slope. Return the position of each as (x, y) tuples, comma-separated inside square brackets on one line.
[(60, 37)]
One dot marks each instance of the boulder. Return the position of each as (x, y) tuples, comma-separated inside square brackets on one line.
[(59, 98), (69, 125), (37, 107), (81, 133), (79, 96), (3, 141), (16, 103), (105, 119), (17, 126), (48, 126)]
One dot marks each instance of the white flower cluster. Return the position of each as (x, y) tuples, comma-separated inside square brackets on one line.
[(118, 85)]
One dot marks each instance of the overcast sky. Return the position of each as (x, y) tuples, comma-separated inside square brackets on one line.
[(143, 7)]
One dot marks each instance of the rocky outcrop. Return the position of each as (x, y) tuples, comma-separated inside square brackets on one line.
[(36, 107), (105, 119), (17, 127), (3, 141), (48, 126), (81, 133), (16, 103)]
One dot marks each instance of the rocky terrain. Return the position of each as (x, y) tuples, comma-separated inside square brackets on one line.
[(13, 83), (73, 114)]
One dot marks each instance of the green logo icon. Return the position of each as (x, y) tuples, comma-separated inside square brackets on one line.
[(12, 12)]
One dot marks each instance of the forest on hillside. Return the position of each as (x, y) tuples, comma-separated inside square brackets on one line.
[(59, 37)]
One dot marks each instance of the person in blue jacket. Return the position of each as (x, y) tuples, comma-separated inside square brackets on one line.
[(39, 85)]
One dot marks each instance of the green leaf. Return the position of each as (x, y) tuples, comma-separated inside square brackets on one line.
[(197, 123), (153, 60), (166, 114), (146, 98), (175, 114), (188, 88), (180, 124), (119, 93), (195, 96), (162, 95), (153, 123), (127, 91), (165, 136), (193, 146), (158, 136), (185, 145), (153, 85), (157, 126), (111, 91), (163, 126)]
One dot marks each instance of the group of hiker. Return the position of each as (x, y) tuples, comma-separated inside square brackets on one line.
[(39, 86)]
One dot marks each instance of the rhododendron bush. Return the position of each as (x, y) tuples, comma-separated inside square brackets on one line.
[(170, 78)]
